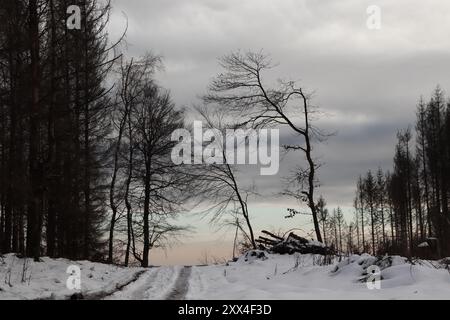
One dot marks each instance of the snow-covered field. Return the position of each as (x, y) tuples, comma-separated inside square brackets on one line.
[(271, 277)]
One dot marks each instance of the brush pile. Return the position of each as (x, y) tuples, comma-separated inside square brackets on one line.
[(290, 244)]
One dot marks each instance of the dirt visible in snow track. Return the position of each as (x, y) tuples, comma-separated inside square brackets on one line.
[(181, 286), (139, 294)]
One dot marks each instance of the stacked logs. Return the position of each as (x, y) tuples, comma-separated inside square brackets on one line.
[(292, 243)]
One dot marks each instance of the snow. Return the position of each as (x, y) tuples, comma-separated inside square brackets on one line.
[(154, 284), (255, 275), (314, 243), (423, 245), (47, 279), (253, 255), (299, 277)]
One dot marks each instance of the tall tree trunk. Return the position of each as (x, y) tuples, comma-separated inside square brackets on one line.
[(146, 227), (243, 205), (51, 194), (372, 218), (410, 216), (357, 225), (127, 190), (112, 188), (361, 207), (87, 146), (311, 172), (391, 219), (34, 205)]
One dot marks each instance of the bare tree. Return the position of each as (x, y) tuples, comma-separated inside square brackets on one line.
[(241, 92), (147, 190), (164, 186), (220, 182), (132, 77)]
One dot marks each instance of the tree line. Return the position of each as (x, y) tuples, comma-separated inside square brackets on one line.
[(404, 211), (53, 118), (85, 170)]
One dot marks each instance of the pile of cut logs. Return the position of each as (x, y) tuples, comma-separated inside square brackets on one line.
[(292, 243)]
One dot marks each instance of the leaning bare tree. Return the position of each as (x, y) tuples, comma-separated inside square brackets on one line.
[(241, 92), (220, 184)]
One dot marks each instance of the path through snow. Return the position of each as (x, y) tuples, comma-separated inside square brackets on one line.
[(168, 283), (181, 287)]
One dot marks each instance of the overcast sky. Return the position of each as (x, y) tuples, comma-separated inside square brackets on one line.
[(366, 81)]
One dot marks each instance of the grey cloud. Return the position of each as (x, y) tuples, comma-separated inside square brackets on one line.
[(367, 82)]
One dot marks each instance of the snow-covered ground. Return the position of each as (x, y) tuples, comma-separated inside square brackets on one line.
[(268, 277), (299, 277), (26, 279), (154, 284)]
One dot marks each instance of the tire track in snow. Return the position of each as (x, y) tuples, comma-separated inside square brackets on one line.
[(181, 286), (137, 289), (138, 292), (105, 292), (156, 283)]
